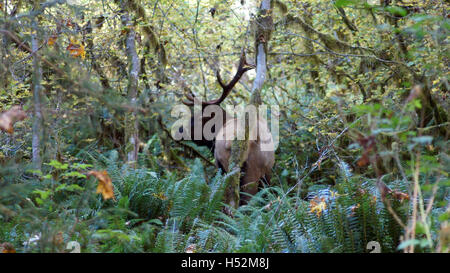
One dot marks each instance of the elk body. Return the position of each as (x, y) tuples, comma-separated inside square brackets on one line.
[(260, 155)]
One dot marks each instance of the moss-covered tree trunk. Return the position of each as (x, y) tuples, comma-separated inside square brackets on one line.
[(131, 123), (37, 97), (263, 25)]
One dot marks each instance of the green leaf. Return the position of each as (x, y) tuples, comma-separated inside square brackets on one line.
[(81, 166), (74, 174), (156, 222), (124, 202), (345, 3), (43, 196), (60, 187), (36, 172), (396, 10), (48, 176), (58, 165), (420, 229), (74, 187), (444, 217)]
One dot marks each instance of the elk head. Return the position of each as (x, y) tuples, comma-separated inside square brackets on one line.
[(258, 161), (199, 120)]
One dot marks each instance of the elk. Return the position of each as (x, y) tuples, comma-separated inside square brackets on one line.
[(258, 162)]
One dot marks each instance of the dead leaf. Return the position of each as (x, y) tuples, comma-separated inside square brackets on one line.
[(76, 49), (58, 238), (353, 209), (105, 186), (7, 248), (364, 160), (271, 203), (10, 117), (191, 248), (361, 191), (160, 196), (368, 144), (69, 23), (317, 205), (384, 190), (268, 207), (52, 40), (126, 29), (400, 195)]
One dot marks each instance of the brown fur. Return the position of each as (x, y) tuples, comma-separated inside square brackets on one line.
[(258, 162)]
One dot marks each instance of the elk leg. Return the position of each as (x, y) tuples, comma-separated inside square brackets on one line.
[(249, 188), (248, 184)]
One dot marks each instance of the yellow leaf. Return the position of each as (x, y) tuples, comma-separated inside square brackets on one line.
[(105, 186), (334, 194), (51, 41), (317, 205), (76, 49), (160, 196)]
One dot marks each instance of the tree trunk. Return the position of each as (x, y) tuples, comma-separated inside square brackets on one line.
[(131, 123), (37, 121), (264, 26)]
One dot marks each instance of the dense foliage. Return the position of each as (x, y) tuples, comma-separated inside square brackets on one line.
[(363, 156)]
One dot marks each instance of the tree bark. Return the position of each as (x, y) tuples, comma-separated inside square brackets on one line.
[(131, 123), (37, 96)]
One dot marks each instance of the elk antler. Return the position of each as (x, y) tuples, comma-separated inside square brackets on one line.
[(242, 68)]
